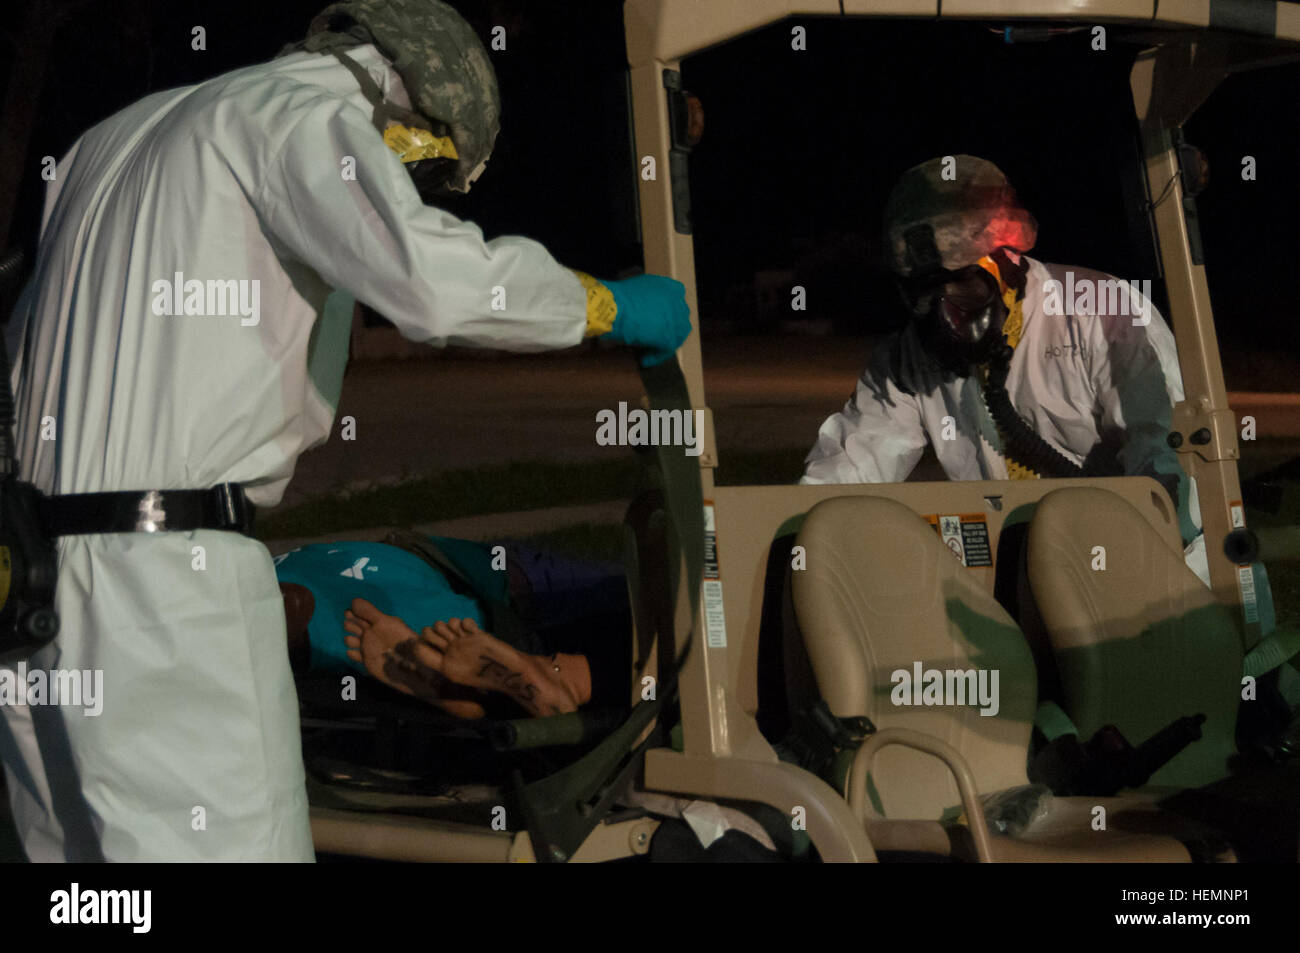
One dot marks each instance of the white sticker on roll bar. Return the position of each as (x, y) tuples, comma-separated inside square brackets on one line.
[(715, 623), (1245, 574)]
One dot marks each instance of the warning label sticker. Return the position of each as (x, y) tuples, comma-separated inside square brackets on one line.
[(1246, 582), (966, 535), (1245, 575), (715, 623)]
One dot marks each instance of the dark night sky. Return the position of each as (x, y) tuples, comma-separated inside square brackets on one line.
[(800, 148)]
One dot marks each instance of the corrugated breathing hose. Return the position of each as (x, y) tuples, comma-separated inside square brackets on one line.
[(1022, 444)]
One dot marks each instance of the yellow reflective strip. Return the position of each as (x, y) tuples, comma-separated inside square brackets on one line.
[(601, 309), (1014, 325), (1013, 328)]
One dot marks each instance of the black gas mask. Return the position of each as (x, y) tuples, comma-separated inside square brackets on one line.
[(432, 178), (431, 175), (959, 312)]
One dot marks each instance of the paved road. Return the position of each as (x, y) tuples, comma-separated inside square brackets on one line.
[(461, 409)]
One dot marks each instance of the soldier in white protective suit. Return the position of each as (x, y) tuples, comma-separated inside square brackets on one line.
[(176, 334), (1010, 368)]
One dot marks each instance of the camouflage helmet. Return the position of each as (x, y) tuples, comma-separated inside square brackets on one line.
[(964, 204), (443, 65)]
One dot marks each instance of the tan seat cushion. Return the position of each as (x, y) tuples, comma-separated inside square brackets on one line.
[(1140, 643), (881, 593)]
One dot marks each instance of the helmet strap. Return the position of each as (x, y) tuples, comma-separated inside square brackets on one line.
[(385, 112)]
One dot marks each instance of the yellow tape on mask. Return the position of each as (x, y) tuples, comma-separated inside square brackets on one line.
[(601, 309), (412, 145), (1014, 325)]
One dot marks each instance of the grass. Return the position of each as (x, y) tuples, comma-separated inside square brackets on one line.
[(502, 489), (456, 493)]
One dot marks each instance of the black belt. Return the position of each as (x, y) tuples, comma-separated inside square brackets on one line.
[(223, 507)]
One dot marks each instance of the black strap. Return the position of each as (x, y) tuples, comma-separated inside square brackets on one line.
[(223, 507), (816, 735), (1107, 763), (562, 809), (384, 110)]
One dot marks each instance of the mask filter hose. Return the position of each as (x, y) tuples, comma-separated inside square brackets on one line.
[(1022, 444)]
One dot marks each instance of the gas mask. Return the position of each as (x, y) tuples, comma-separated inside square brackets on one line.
[(959, 312), (432, 174), (432, 178)]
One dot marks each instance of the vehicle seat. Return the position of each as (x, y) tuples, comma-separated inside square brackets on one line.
[(1138, 644), (881, 593)]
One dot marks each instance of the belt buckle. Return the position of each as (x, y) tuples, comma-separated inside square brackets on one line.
[(151, 517)]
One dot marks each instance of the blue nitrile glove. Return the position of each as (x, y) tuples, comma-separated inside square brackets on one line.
[(652, 313)]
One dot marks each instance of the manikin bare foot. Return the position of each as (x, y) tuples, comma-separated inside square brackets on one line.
[(385, 645), (469, 656)]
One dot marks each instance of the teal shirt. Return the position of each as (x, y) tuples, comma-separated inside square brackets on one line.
[(393, 580)]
